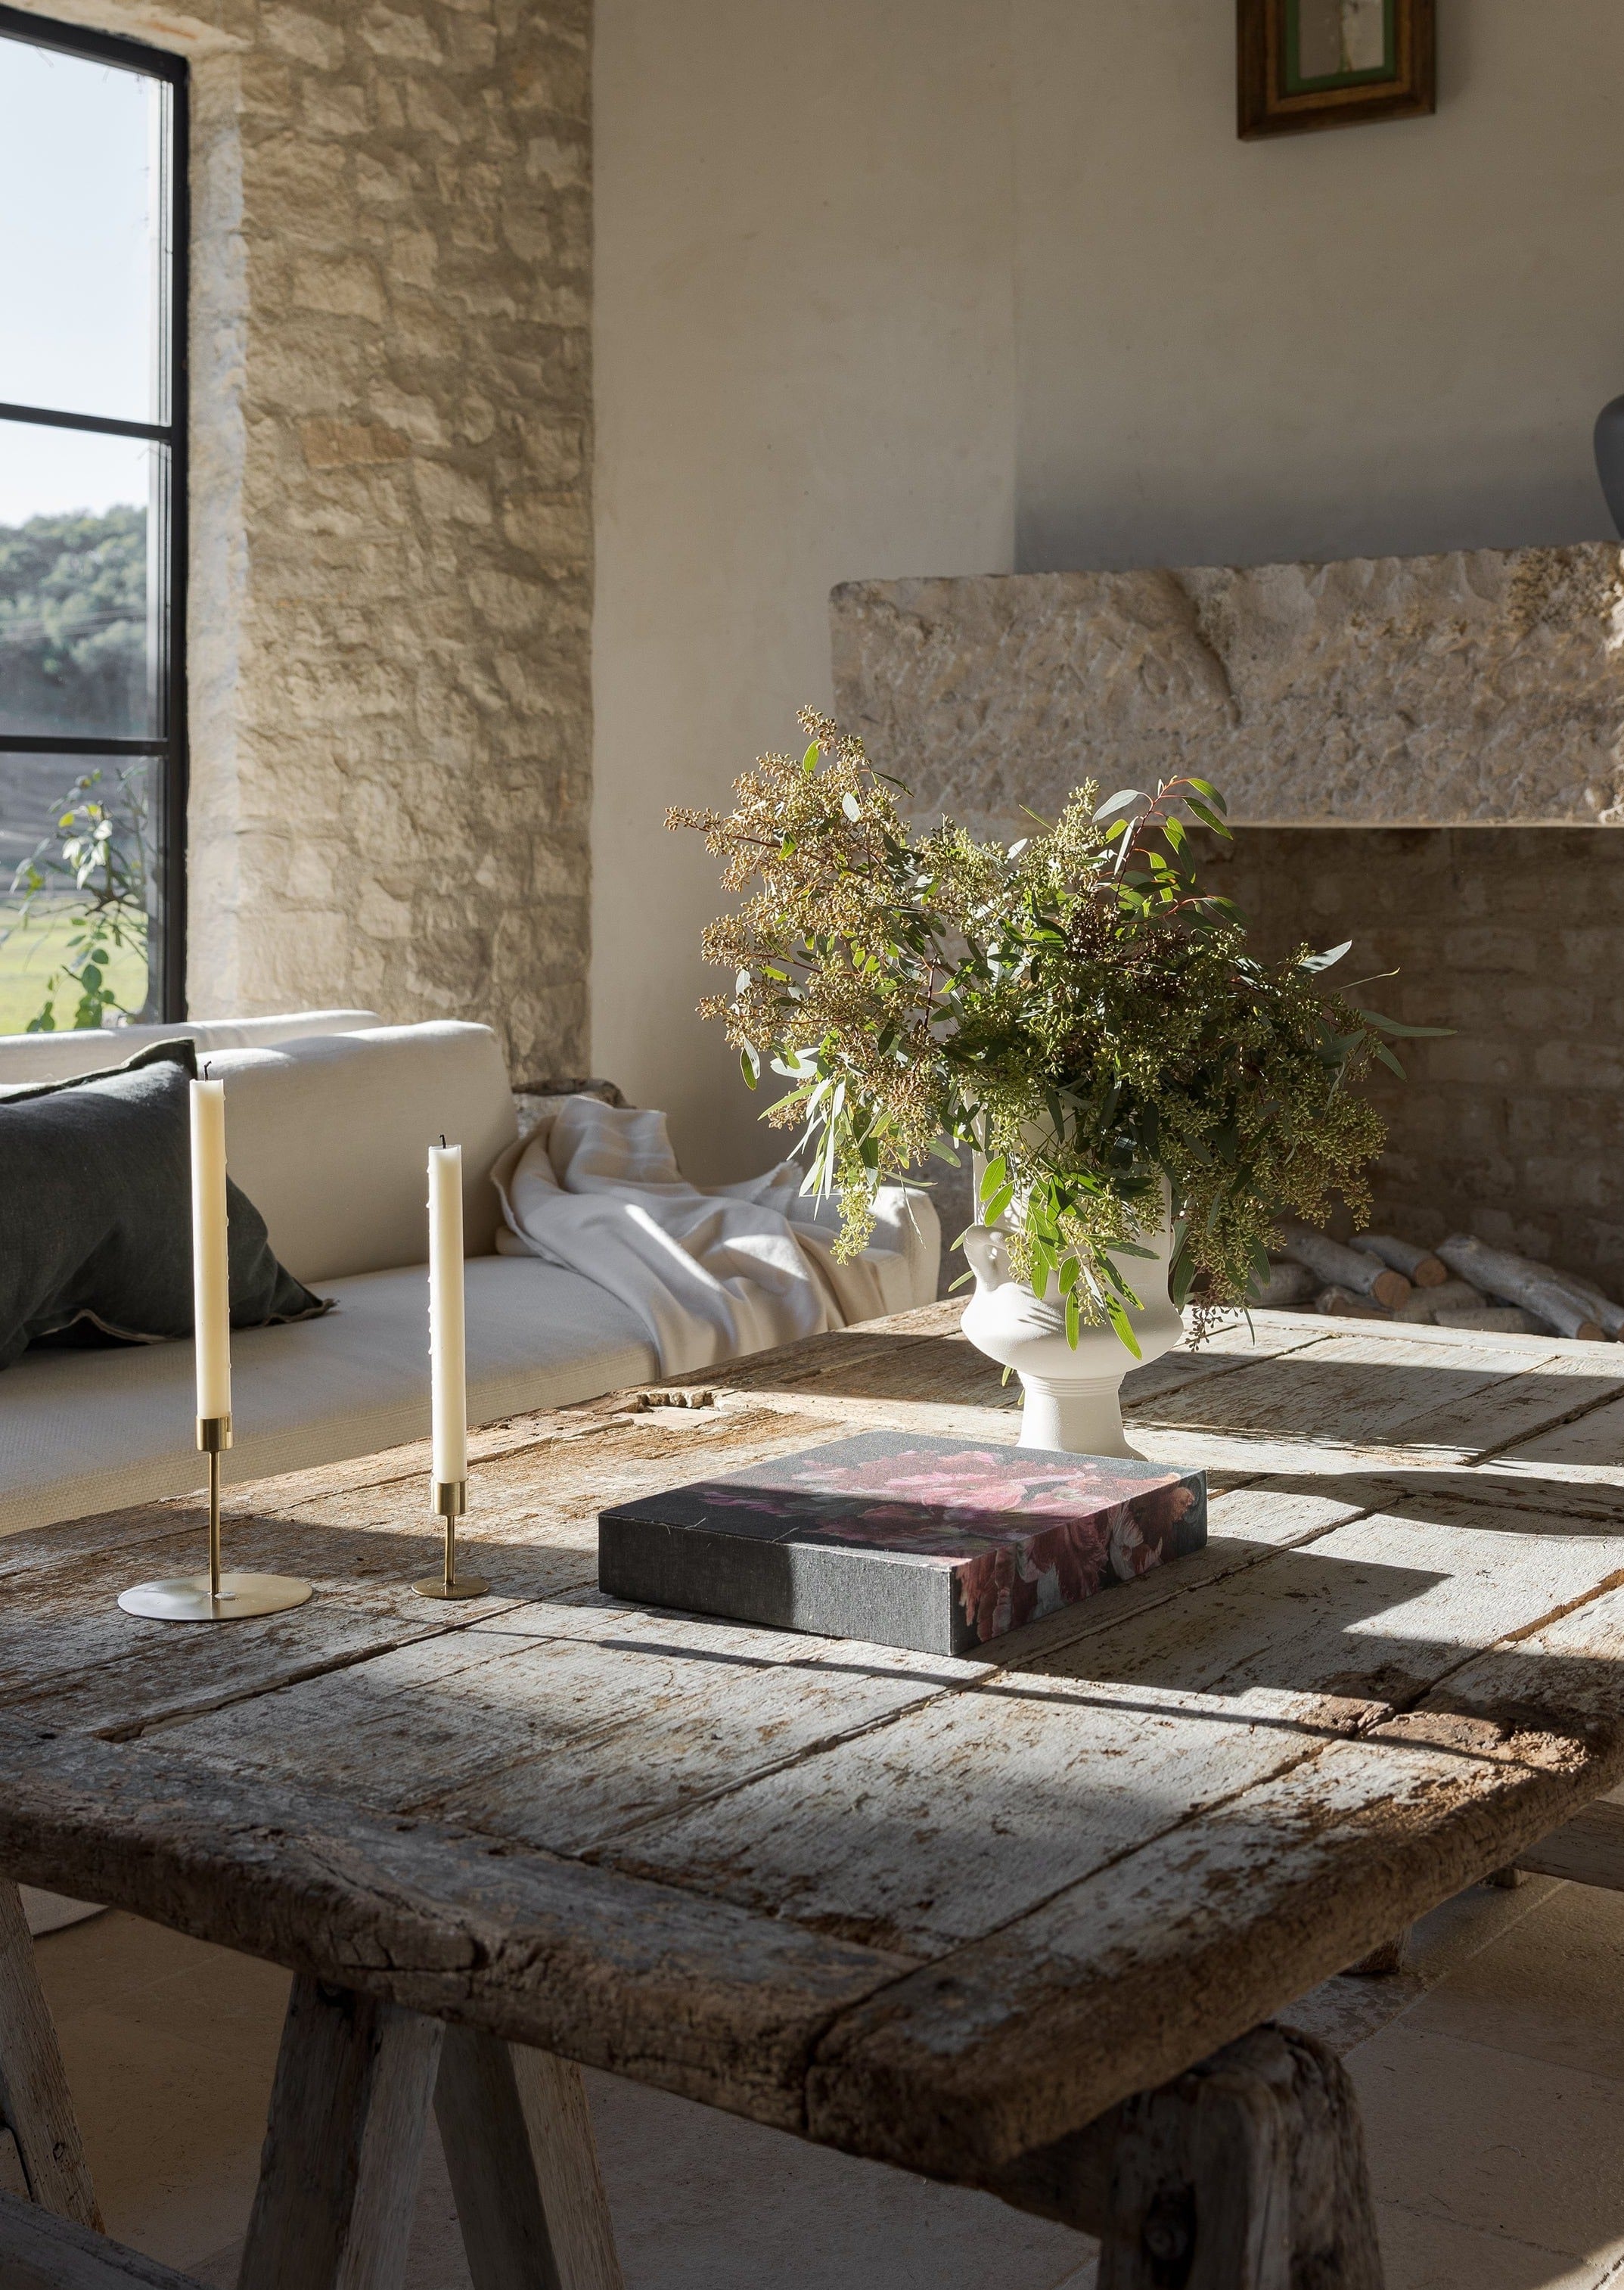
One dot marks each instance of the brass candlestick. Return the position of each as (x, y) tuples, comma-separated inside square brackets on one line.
[(215, 1597), (450, 1500)]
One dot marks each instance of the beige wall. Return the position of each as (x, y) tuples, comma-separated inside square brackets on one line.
[(803, 340), (1383, 340), (950, 285)]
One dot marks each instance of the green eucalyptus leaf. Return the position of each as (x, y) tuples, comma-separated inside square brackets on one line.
[(1407, 1033), (1123, 1327)]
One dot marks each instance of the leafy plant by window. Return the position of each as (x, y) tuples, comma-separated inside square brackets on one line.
[(92, 872), (1074, 1008)]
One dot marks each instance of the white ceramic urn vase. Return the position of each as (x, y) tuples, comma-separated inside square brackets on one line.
[(1073, 1397)]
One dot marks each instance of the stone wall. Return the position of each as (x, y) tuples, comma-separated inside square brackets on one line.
[(1480, 686), (391, 550), (1516, 939)]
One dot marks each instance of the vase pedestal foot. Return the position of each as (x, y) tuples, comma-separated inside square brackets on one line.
[(1075, 1416)]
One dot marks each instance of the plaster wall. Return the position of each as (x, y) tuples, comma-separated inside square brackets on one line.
[(1381, 340), (391, 558), (992, 284), (805, 350)]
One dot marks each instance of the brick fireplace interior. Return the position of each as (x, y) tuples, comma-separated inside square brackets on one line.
[(1510, 1128)]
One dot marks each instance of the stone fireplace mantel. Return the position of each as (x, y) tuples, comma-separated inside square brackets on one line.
[(1482, 688)]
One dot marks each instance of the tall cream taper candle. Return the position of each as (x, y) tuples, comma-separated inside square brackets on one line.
[(215, 1597), (211, 1266), (447, 1352)]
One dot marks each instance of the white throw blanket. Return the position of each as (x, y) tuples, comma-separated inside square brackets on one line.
[(712, 1272)]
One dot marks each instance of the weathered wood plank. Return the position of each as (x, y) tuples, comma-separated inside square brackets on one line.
[(1349, 1388), (1566, 1384), (923, 1356), (1378, 1395), (920, 1834), (38, 2252), (847, 1356), (161, 1680), (36, 2104), (1548, 1694), (1121, 1980), (545, 1739), (695, 1995), (519, 2147), (344, 2145), (1588, 1452), (1372, 1614), (1231, 1345), (1415, 1485)]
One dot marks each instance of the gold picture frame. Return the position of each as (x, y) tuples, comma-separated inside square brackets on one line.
[(1331, 63)]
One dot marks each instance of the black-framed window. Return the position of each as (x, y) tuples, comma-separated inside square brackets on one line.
[(92, 520)]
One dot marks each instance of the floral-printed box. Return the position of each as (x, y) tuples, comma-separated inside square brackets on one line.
[(937, 1544)]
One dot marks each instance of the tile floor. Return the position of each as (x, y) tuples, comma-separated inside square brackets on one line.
[(1491, 2074)]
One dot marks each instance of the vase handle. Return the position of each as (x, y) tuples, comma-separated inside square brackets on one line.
[(987, 1253)]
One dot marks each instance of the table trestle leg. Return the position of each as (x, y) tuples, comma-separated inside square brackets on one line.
[(1246, 2173), (36, 2107), (339, 2173), (523, 2167)]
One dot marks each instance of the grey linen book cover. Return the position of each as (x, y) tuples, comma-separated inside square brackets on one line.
[(941, 1545)]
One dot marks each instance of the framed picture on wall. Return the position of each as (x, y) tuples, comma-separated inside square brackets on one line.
[(1331, 63)]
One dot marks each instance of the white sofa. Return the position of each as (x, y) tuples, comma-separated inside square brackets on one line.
[(328, 1119)]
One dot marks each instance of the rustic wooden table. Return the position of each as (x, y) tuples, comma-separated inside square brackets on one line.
[(1019, 1922)]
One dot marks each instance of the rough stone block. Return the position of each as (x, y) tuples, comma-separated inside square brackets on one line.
[(1485, 686), (317, 40), (345, 286), (339, 444)]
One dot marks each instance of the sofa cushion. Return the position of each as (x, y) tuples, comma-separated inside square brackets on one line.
[(57, 1057), (95, 1223), (331, 1136), (88, 1432)]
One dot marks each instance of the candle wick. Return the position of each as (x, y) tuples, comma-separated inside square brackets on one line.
[(443, 1144)]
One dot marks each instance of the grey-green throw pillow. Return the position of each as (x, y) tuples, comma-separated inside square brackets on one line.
[(95, 1213)]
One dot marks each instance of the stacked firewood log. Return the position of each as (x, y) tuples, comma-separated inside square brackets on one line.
[(1461, 1284)]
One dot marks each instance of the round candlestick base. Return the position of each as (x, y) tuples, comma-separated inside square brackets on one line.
[(188, 1598), (466, 1586)]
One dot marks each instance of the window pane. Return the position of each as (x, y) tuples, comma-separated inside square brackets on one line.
[(72, 954), (74, 646), (77, 275)]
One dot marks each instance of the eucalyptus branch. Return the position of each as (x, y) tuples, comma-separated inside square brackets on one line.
[(1076, 1007)]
